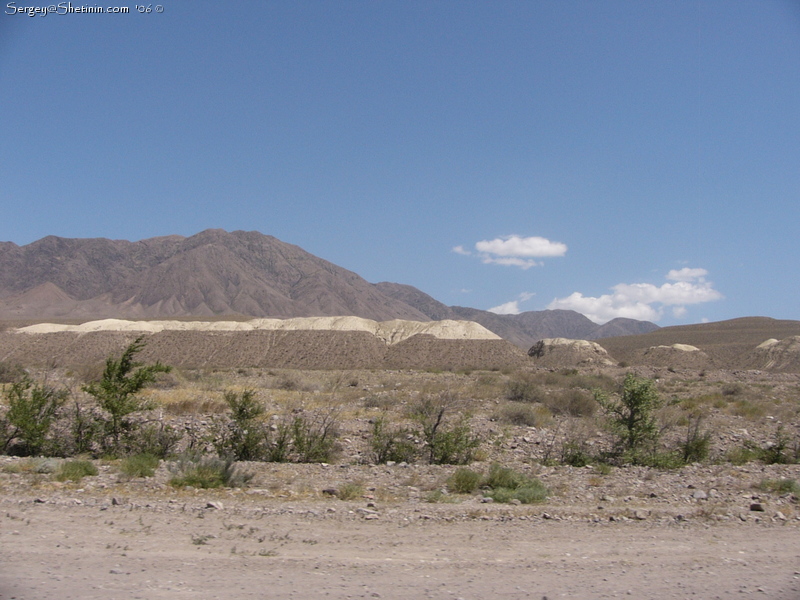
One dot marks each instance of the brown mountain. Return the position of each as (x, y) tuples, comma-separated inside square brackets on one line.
[(209, 274), (216, 273)]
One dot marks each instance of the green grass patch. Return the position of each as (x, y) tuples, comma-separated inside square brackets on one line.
[(504, 485), (464, 481), (140, 465), (780, 486), (75, 470)]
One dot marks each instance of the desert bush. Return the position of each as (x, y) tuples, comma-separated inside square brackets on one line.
[(522, 414), (32, 409), (575, 454), (732, 389), (314, 436), (207, 472), (116, 392), (748, 409), (139, 465), (524, 390), (573, 402), (83, 429), (350, 491), (696, 445), (243, 436), (464, 481), (504, 485), (743, 454), (383, 402), (391, 443), (780, 486), (448, 443), (11, 373), (631, 417), (779, 450), (75, 470), (158, 439)]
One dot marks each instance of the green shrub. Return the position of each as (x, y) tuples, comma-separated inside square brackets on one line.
[(139, 465), (574, 454), (314, 436), (32, 409), (502, 477), (11, 373), (523, 415), (391, 443), (504, 485), (117, 390), (780, 486), (631, 417), (448, 443), (573, 402), (244, 436), (743, 454), (464, 481), (207, 472), (524, 390), (350, 491), (158, 439), (697, 444), (75, 470)]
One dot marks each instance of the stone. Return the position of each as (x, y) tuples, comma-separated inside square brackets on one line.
[(757, 507), (215, 504)]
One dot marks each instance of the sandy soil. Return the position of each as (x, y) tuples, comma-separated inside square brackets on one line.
[(141, 540)]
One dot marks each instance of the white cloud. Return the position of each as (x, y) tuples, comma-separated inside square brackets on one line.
[(509, 308), (514, 245), (644, 301), (524, 263), (515, 251), (512, 308), (687, 274)]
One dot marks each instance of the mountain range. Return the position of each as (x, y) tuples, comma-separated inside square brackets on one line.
[(230, 274)]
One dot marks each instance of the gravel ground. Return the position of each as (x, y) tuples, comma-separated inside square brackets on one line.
[(635, 532)]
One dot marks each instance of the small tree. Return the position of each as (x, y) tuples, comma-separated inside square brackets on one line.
[(117, 390), (632, 416), (32, 408)]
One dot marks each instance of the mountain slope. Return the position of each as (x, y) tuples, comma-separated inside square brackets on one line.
[(216, 273), (211, 273)]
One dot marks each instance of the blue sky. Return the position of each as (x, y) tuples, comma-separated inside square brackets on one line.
[(636, 159)]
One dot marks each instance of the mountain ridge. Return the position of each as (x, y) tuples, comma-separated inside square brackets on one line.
[(216, 273)]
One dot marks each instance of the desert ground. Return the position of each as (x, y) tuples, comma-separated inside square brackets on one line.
[(722, 527), (709, 511)]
